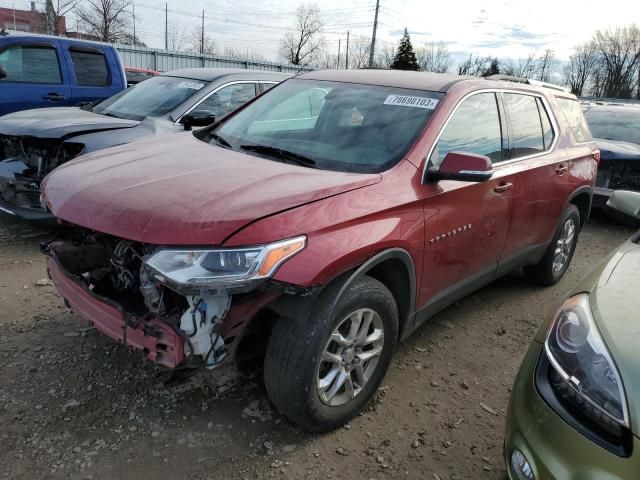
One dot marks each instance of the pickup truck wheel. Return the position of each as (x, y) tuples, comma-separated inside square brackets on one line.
[(556, 260), (320, 372)]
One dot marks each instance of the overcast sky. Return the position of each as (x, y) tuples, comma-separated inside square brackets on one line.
[(485, 27)]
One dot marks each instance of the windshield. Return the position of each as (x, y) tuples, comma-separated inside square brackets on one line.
[(154, 97), (622, 125), (330, 125)]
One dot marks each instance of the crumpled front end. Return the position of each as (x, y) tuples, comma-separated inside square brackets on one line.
[(24, 162), (106, 282)]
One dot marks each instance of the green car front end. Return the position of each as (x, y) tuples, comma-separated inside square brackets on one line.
[(574, 411)]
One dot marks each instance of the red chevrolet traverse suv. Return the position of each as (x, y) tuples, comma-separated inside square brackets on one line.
[(329, 217)]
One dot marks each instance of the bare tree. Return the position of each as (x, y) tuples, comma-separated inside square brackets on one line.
[(384, 56), (176, 36), (619, 59), (54, 11), (474, 65), (359, 52), (547, 65), (201, 42), (522, 67), (580, 68), (304, 43), (434, 57), (240, 54), (108, 20)]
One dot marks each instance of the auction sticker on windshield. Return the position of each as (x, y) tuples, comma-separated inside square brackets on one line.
[(409, 101), (191, 85)]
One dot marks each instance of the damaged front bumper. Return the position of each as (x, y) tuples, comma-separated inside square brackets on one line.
[(20, 194), (160, 342), (171, 329), (615, 174)]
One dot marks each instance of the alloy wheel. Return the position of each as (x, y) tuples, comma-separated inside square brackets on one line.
[(350, 357), (564, 246)]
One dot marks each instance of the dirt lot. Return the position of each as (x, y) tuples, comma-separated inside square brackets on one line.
[(73, 404)]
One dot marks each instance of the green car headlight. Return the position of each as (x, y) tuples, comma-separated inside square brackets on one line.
[(579, 356)]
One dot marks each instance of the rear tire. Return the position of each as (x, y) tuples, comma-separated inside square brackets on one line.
[(558, 256), (320, 371)]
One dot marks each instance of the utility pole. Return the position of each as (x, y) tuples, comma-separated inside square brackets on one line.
[(346, 54), (14, 16), (134, 24), (373, 37), (202, 39), (338, 61), (166, 26)]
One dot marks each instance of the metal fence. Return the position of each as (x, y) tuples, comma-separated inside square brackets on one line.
[(164, 60)]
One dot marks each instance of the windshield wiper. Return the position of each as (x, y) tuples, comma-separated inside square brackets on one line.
[(282, 154), (220, 141)]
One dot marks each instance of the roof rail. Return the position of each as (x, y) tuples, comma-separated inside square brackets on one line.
[(528, 81)]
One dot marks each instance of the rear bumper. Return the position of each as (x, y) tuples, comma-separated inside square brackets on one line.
[(159, 341)]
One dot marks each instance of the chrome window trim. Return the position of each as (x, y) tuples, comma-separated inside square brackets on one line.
[(550, 113), (217, 89)]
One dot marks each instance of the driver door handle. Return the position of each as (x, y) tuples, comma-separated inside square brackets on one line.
[(503, 188), (56, 97)]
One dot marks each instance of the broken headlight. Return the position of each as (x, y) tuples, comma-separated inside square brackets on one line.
[(222, 269), (586, 374)]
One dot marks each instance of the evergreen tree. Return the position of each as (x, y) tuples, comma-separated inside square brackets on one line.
[(493, 69), (405, 58)]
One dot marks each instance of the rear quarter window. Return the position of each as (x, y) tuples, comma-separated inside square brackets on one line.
[(573, 113)]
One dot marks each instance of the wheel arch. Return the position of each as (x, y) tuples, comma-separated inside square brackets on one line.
[(396, 270), (582, 198)]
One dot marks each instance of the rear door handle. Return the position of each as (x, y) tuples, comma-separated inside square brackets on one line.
[(54, 97), (562, 169), (502, 188)]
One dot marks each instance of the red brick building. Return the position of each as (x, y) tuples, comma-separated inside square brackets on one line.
[(31, 21)]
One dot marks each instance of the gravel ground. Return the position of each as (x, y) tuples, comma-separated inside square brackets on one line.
[(73, 404)]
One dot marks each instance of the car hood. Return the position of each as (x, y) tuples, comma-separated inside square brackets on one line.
[(59, 122), (614, 150), (178, 190), (615, 303)]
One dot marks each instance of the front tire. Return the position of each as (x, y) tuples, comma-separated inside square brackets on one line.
[(556, 260), (321, 371)]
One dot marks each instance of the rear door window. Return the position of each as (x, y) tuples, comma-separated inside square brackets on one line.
[(474, 128), (31, 64), (90, 67), (573, 113), (547, 130), (526, 134)]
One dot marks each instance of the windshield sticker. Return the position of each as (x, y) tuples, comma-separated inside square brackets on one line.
[(409, 101), (191, 85)]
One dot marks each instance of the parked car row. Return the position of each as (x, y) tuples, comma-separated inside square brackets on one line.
[(326, 217), (34, 142)]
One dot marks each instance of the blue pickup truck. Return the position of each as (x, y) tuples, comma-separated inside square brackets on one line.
[(39, 71)]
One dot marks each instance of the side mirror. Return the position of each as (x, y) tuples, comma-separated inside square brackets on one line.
[(465, 167), (198, 118), (624, 206), (3, 72)]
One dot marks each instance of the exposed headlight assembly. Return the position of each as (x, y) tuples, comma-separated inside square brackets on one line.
[(231, 270), (583, 363)]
